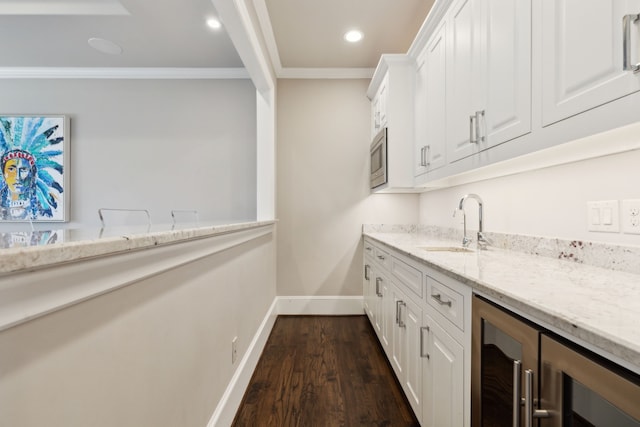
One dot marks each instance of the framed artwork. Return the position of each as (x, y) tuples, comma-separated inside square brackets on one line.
[(34, 152)]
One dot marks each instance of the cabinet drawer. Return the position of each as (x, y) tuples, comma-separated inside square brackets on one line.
[(369, 249), (383, 258), (407, 275), (446, 301)]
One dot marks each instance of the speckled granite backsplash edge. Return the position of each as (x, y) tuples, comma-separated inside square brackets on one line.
[(613, 257)]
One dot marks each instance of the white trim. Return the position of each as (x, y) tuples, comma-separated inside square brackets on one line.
[(320, 305), (267, 33), (285, 305), (82, 7), (31, 294), (121, 73), (232, 397), (237, 21), (325, 73)]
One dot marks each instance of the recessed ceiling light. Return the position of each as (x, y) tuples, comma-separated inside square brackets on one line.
[(214, 23), (105, 46), (353, 36)]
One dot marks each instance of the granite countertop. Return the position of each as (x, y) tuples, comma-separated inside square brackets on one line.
[(600, 306), (28, 250)]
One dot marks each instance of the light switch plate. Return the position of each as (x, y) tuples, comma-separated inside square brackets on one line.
[(630, 216), (603, 216)]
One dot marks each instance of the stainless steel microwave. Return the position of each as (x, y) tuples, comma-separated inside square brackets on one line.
[(378, 159)]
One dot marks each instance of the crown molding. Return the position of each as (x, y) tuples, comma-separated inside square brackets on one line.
[(121, 73)]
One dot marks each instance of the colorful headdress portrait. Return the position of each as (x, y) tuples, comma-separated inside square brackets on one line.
[(31, 161)]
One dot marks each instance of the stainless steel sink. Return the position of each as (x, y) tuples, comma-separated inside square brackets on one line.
[(445, 249)]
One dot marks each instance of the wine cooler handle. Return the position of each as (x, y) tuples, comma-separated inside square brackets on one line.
[(517, 392), (529, 410)]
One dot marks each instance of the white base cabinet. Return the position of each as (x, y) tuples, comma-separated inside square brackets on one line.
[(423, 324), (442, 378)]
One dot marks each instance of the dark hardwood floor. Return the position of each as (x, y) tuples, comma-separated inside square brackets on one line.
[(323, 371)]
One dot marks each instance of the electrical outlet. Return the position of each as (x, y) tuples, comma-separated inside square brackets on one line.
[(603, 216), (631, 216), (234, 349)]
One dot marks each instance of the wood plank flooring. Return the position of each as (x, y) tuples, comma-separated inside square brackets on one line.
[(323, 371)]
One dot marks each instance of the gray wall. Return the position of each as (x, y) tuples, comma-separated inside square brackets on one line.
[(152, 144)]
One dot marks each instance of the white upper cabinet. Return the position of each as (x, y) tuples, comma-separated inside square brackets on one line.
[(463, 68), (506, 71), (430, 100), (583, 44), (488, 74), (391, 92), (379, 108)]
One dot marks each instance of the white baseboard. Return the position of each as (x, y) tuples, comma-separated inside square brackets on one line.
[(232, 397), (320, 305), (287, 305)]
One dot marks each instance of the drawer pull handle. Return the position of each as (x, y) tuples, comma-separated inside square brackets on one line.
[(381, 257), (440, 301), (369, 248)]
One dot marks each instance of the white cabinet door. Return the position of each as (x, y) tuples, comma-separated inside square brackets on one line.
[(463, 53), (582, 55), (379, 107), (430, 104), (443, 379), (398, 336), (387, 315), (505, 71), (488, 74), (406, 359), (377, 305), (368, 289), (411, 317)]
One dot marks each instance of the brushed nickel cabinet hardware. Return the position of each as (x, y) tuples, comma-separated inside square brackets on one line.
[(439, 300), (627, 20)]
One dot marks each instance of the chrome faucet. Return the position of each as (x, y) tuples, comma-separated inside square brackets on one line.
[(482, 241)]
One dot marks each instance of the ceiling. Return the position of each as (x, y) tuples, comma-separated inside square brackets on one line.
[(172, 33)]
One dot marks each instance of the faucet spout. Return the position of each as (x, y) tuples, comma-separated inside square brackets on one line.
[(482, 241)]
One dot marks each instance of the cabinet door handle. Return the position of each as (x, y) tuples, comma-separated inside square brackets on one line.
[(367, 267), (400, 321), (427, 155), (627, 20), (479, 135), (517, 392), (423, 161), (440, 301), (472, 130), (529, 410), (422, 353), (378, 281)]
